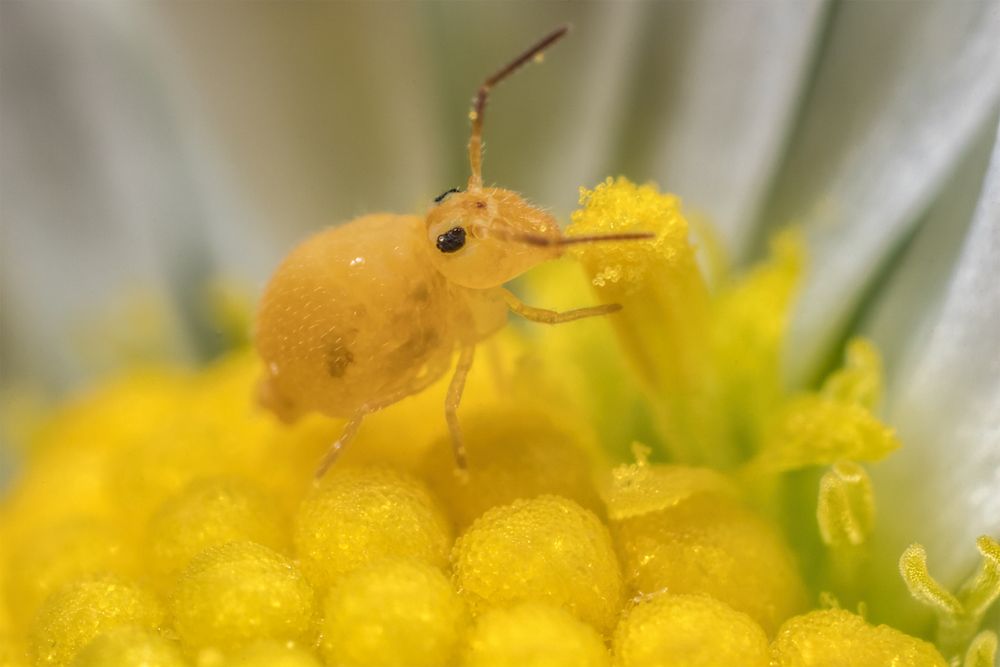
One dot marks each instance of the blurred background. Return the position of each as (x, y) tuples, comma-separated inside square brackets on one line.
[(150, 150)]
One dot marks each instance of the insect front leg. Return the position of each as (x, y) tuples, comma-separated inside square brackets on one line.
[(552, 317), (451, 402), (350, 430)]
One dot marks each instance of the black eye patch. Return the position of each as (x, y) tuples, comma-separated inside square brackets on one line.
[(452, 240), (444, 195)]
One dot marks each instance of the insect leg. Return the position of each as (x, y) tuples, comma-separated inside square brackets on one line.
[(552, 317), (453, 399), (350, 430)]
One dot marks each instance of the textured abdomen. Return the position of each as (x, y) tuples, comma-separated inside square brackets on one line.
[(354, 316)]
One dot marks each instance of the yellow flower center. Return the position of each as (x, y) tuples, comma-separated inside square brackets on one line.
[(643, 490)]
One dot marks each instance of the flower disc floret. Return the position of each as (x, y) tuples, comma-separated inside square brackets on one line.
[(393, 612), (546, 549), (688, 631), (362, 515), (234, 594)]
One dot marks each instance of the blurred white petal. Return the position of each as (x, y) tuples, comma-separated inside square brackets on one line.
[(900, 92), (89, 208), (947, 408), (728, 108)]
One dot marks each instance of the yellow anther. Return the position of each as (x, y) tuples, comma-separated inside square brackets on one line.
[(665, 322)]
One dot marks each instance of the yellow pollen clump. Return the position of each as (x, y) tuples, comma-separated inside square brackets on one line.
[(688, 631), (209, 513), (545, 549), (130, 646), (73, 616), (712, 545), (533, 635), (838, 637), (516, 452), (272, 654), (835, 423), (233, 594), (393, 612), (361, 515)]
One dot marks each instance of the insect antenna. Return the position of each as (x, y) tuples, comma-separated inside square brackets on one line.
[(479, 105), (542, 240)]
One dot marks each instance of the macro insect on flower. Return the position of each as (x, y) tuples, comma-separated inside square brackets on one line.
[(362, 315)]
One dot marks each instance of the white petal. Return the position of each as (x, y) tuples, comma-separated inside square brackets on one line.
[(728, 95), (947, 408), (900, 91)]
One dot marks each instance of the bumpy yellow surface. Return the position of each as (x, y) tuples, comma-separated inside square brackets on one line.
[(517, 452), (130, 646), (211, 512), (394, 612), (688, 631), (272, 654), (12, 654), (173, 490), (533, 634), (712, 545), (231, 595), (838, 637), (48, 558), (79, 612), (545, 549), (361, 515)]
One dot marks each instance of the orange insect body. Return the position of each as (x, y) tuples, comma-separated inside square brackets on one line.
[(362, 315)]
